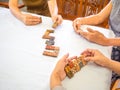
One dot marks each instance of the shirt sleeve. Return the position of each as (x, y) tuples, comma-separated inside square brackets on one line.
[(59, 88), (113, 1)]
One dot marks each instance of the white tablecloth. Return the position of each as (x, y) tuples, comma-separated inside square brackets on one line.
[(23, 67)]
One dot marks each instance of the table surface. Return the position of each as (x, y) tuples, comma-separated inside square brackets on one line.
[(23, 67)]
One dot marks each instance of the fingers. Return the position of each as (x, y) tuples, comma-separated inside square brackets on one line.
[(75, 25), (31, 20), (71, 58), (89, 35), (89, 59), (88, 52), (84, 34), (90, 30), (32, 23), (58, 19), (65, 57)]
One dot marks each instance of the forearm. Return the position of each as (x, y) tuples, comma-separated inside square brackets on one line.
[(55, 80), (53, 7), (114, 66), (92, 20), (13, 5), (100, 17), (113, 42)]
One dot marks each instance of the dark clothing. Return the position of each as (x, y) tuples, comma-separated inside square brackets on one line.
[(114, 22), (37, 6), (115, 56)]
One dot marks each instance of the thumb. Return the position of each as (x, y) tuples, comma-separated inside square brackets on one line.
[(84, 34), (55, 19), (65, 56), (90, 30)]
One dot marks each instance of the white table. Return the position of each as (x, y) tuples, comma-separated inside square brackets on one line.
[(23, 67)]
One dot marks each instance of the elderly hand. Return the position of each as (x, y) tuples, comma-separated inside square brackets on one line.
[(57, 18), (30, 20), (96, 56), (77, 23), (94, 36)]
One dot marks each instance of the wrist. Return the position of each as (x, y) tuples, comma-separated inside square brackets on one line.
[(83, 21), (109, 42), (114, 41), (52, 15), (21, 16), (108, 63), (55, 80), (106, 42)]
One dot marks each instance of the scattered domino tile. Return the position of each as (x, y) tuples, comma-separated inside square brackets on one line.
[(52, 38), (49, 53), (50, 41), (51, 47), (55, 24), (74, 66), (53, 51), (46, 34)]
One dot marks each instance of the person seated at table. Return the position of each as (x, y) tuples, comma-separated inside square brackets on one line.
[(93, 55), (112, 10), (41, 7)]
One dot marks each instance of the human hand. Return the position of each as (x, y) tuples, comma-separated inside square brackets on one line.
[(57, 18), (77, 23), (59, 69), (58, 73), (28, 19), (95, 56), (94, 36)]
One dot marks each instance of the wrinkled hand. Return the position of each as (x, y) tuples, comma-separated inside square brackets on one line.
[(28, 19), (95, 56), (94, 36), (57, 18), (59, 69), (77, 23)]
